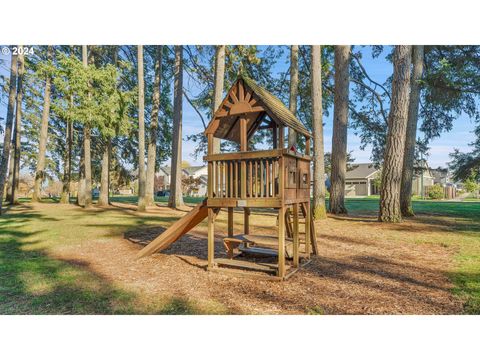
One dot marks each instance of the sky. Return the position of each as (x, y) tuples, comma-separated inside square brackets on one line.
[(379, 69)]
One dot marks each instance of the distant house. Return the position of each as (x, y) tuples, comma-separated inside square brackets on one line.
[(421, 174), (196, 171), (199, 188), (359, 180), (163, 176), (441, 176), (162, 179)]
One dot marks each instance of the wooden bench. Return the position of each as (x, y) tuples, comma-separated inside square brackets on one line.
[(259, 244)]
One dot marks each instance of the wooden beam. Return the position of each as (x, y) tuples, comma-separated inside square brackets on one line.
[(295, 236), (281, 136), (211, 238), (274, 135), (245, 155), (281, 242), (308, 219), (230, 222), (246, 221), (243, 134)]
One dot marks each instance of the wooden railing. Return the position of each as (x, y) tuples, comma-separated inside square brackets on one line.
[(244, 175)]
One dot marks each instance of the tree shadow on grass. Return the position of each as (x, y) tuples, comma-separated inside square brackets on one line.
[(34, 282), (468, 288)]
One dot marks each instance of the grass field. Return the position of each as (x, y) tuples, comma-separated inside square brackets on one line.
[(61, 259)]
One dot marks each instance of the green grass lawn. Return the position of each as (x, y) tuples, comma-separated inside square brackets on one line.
[(32, 281), (463, 233)]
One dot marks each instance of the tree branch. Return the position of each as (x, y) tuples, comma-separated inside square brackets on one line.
[(195, 108), (368, 77), (377, 95)]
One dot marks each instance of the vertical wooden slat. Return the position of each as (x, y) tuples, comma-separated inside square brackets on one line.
[(274, 177), (243, 179), (255, 165), (307, 146), (295, 236), (250, 178), (231, 178), (221, 178), (225, 180), (214, 179), (217, 178), (267, 181), (236, 179), (261, 178), (210, 179)]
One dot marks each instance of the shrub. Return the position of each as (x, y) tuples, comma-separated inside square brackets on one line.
[(435, 192)]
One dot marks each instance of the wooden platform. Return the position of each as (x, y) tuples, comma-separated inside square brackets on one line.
[(260, 271)]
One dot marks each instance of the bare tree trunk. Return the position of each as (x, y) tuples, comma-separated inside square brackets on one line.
[(86, 145), (67, 167), (410, 140), (292, 135), (103, 197), (397, 126), (176, 197), (10, 170), (152, 144), (340, 124), (81, 175), (87, 165), (141, 132), (42, 146), (18, 130), (7, 139), (218, 87), (319, 211)]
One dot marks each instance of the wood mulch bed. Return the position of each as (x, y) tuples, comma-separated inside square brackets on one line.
[(364, 267)]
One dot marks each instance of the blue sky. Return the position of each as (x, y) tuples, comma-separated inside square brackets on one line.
[(379, 69)]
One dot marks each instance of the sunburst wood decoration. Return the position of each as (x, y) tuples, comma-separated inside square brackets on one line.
[(239, 101)]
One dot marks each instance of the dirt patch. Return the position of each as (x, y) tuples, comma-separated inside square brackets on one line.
[(363, 268)]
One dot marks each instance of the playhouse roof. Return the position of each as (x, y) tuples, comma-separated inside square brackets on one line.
[(248, 99)]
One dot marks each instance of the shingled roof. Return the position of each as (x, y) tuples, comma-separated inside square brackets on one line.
[(281, 112), (255, 106)]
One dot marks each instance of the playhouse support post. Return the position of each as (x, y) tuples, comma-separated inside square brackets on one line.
[(246, 221), (230, 222), (308, 236), (211, 238), (281, 242)]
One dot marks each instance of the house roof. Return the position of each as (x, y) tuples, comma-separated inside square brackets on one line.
[(191, 170), (247, 99), (361, 171), (166, 170)]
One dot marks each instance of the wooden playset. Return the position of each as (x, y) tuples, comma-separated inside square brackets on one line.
[(277, 178)]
